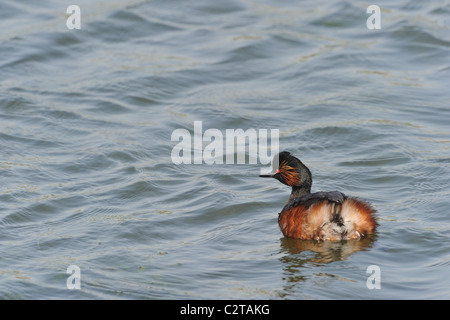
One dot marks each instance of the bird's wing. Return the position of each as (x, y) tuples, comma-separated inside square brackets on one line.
[(311, 198)]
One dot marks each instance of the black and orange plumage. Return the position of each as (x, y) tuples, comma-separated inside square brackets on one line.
[(320, 215)]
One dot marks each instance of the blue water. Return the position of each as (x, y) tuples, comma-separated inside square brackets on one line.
[(87, 115)]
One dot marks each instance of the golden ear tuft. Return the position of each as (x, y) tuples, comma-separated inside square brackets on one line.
[(288, 174)]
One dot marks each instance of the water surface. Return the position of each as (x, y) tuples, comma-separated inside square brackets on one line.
[(86, 118)]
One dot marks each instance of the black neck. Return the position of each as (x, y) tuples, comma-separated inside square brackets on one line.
[(306, 181), (301, 190)]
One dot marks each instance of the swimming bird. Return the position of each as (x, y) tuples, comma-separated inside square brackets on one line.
[(321, 215)]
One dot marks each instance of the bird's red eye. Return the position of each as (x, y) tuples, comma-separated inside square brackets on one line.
[(278, 170)]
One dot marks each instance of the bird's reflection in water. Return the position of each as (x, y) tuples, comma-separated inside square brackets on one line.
[(301, 253), (324, 251)]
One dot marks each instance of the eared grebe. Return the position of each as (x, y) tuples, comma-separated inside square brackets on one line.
[(320, 215)]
